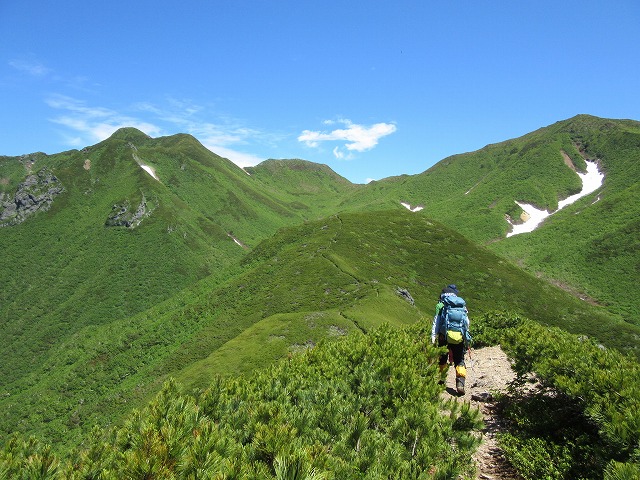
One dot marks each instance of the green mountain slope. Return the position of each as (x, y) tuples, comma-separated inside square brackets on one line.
[(149, 258), (320, 280), (68, 268), (590, 247), (133, 221), (593, 246)]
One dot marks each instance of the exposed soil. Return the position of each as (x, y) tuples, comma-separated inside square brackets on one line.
[(488, 371), (567, 160), (567, 288)]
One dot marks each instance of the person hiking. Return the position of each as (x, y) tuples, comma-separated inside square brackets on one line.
[(451, 329)]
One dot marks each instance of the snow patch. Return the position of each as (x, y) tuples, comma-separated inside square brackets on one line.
[(535, 218), (591, 181), (150, 171), (408, 207)]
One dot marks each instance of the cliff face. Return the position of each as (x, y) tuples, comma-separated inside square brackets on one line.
[(36, 193)]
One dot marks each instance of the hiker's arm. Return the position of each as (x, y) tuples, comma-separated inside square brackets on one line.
[(435, 328)]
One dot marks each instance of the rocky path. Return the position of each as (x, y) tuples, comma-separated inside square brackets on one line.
[(488, 371)]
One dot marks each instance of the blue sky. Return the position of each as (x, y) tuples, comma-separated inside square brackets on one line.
[(373, 89)]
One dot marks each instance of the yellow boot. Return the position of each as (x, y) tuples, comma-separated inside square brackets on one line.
[(461, 374)]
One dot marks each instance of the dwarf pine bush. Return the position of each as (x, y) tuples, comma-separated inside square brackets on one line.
[(367, 406), (590, 396)]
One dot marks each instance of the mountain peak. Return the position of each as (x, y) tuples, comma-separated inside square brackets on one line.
[(129, 134), (296, 165)]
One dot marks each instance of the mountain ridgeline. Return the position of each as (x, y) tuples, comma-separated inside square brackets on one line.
[(141, 259)]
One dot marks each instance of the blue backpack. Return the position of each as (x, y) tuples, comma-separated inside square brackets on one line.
[(455, 320)]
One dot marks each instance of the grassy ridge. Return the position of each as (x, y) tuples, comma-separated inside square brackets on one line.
[(96, 318), (304, 284)]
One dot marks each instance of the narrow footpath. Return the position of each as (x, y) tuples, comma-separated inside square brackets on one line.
[(488, 371)]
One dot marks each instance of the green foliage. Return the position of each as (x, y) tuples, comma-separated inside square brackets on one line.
[(491, 327), (96, 318), (590, 396), (364, 407), (28, 460), (537, 458), (622, 471)]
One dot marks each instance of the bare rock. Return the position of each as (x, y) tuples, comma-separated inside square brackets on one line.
[(35, 194)]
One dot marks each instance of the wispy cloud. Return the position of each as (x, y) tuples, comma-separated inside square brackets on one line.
[(359, 138), (30, 67), (94, 123), (224, 140), (224, 137), (241, 159), (34, 68)]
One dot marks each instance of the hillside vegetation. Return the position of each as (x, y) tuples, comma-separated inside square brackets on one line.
[(366, 406), (369, 406), (140, 260), (80, 264), (591, 248), (322, 279)]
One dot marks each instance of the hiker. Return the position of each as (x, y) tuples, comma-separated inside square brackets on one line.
[(451, 329)]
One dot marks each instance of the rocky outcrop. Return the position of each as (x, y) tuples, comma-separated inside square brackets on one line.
[(122, 215), (35, 194), (404, 293)]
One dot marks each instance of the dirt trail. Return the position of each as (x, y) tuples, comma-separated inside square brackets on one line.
[(488, 371)]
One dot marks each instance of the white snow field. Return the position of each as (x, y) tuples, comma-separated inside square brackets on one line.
[(150, 171), (408, 207), (591, 181)]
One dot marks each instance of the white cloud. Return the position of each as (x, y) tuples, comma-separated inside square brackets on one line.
[(220, 138), (239, 158), (30, 67), (95, 124), (359, 138), (221, 141)]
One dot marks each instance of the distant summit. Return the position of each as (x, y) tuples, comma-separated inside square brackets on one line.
[(274, 166), (129, 134)]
